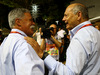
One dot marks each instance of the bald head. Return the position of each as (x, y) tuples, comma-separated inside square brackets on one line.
[(74, 15), (78, 7), (74, 4)]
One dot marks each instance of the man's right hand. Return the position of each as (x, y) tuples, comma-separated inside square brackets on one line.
[(35, 46)]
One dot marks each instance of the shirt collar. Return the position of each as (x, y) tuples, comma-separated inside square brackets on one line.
[(21, 32), (74, 30)]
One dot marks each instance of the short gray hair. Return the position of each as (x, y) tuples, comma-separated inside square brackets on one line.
[(81, 8), (16, 13)]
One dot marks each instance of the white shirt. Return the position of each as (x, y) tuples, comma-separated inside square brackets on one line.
[(83, 53), (39, 39), (61, 33), (17, 57)]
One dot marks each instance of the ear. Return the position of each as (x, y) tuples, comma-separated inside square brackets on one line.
[(79, 15), (18, 22)]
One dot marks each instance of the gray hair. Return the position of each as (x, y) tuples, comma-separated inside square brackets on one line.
[(14, 14), (81, 8)]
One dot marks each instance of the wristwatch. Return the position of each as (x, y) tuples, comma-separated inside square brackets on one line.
[(45, 54)]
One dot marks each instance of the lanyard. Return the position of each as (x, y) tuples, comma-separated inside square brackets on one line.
[(16, 32), (84, 26)]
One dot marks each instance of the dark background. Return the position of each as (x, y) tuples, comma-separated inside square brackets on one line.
[(52, 10)]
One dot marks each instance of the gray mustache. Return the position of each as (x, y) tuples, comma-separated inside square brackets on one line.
[(32, 26)]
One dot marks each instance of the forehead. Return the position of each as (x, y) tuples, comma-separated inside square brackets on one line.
[(53, 25), (28, 15), (69, 9)]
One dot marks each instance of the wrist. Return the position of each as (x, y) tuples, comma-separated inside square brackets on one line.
[(40, 55), (45, 54), (62, 46)]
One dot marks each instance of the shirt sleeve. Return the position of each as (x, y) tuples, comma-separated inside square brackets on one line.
[(56, 68), (74, 63), (27, 61)]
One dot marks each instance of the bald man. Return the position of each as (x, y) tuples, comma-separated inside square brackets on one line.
[(83, 53)]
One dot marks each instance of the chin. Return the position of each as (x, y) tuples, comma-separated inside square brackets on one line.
[(67, 27), (30, 34)]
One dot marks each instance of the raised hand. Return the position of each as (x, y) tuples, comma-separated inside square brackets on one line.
[(35, 46)]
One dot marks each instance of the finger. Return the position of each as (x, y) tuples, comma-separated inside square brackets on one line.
[(29, 39)]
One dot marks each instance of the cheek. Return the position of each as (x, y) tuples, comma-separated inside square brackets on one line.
[(27, 25), (69, 19), (72, 20), (55, 31)]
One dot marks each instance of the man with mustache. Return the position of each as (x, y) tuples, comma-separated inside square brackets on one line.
[(17, 57)]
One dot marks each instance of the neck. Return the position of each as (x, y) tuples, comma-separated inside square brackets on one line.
[(82, 20)]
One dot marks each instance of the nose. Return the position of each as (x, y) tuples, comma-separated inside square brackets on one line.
[(33, 23), (63, 19)]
